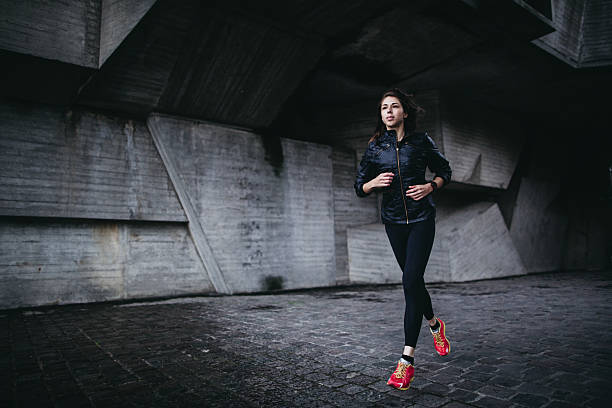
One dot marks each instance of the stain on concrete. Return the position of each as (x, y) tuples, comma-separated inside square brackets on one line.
[(274, 152), (271, 282)]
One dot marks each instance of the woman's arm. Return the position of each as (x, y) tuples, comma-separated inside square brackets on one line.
[(367, 180), (364, 174), (438, 163)]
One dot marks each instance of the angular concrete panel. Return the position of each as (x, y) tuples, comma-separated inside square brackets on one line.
[(265, 207), (471, 242), (597, 34), (565, 41), (583, 37), (118, 18), (394, 41), (478, 243), (80, 164), (539, 224), (67, 31), (44, 263), (200, 60), (482, 145)]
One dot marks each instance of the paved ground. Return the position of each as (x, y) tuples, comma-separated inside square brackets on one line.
[(534, 341)]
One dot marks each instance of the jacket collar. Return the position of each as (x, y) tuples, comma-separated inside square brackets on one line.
[(390, 136)]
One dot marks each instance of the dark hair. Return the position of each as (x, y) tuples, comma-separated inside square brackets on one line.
[(408, 104)]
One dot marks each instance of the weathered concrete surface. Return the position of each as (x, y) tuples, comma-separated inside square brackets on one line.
[(540, 214), (471, 242), (62, 30), (265, 206), (395, 37), (474, 240), (118, 18), (210, 60), (583, 37), (198, 60), (516, 343), (539, 225), (195, 227), (564, 42), (348, 211), (370, 257), (588, 232), (58, 262), (482, 145), (58, 162), (596, 34)]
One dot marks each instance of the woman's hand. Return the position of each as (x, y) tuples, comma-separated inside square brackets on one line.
[(382, 180), (419, 191)]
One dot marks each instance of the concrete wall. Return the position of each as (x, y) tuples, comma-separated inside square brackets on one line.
[(482, 145), (88, 211), (265, 207), (50, 261), (57, 162), (588, 233), (349, 210), (76, 187)]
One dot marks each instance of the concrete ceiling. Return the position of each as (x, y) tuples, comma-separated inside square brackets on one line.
[(487, 56), (273, 65)]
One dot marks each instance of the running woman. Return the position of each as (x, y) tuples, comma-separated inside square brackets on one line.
[(394, 164)]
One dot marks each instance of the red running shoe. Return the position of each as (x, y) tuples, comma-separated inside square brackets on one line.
[(402, 376), (440, 341)]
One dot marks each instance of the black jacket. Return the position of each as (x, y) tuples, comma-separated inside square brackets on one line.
[(414, 152)]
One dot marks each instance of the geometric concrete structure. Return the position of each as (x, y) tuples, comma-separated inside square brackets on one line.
[(66, 31), (539, 225), (583, 37), (483, 145), (233, 131), (117, 20), (472, 242), (265, 208)]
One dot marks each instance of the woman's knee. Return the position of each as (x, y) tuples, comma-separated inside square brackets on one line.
[(411, 284)]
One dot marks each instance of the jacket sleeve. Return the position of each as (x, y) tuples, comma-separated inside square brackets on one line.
[(364, 173), (437, 162)]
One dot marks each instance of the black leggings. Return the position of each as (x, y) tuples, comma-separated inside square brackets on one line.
[(412, 245)]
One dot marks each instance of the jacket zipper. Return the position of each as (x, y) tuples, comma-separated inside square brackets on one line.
[(400, 177)]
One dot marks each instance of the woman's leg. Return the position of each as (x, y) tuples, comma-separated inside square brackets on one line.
[(418, 248), (412, 245)]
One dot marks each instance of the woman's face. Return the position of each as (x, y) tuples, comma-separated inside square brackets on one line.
[(392, 112)]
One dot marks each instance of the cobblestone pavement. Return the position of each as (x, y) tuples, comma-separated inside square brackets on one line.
[(533, 341)]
